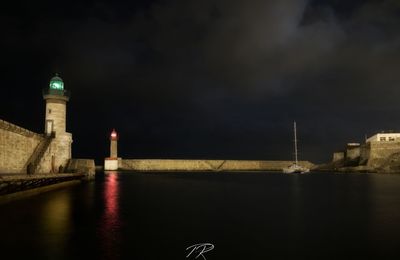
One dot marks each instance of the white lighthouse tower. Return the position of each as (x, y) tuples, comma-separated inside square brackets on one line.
[(111, 163), (56, 106), (59, 151)]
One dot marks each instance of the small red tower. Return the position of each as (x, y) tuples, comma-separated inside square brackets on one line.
[(114, 144), (112, 163)]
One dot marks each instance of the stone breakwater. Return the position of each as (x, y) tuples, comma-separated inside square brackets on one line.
[(17, 144), (206, 165), (86, 166), (20, 147), (13, 187), (380, 157)]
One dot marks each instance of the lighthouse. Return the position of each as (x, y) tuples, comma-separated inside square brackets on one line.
[(114, 144), (56, 106), (59, 151), (111, 163)]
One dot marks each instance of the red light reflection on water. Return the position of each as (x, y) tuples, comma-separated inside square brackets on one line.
[(110, 222), (111, 195)]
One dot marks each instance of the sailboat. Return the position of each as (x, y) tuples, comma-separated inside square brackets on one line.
[(295, 167)]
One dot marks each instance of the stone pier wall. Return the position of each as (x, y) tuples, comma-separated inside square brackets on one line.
[(205, 165), (379, 152), (58, 154), (338, 156), (374, 156), (85, 166), (16, 146), (365, 153)]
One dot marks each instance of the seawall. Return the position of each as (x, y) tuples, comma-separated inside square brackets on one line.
[(16, 186), (19, 147), (373, 156), (379, 152), (13, 187), (16, 146), (86, 166), (205, 165)]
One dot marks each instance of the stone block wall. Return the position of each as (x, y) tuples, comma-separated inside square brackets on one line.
[(352, 157), (338, 156), (206, 165), (352, 153), (86, 166), (372, 155), (379, 152), (364, 153), (16, 146), (111, 164), (58, 154)]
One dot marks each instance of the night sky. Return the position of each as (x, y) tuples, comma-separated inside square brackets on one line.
[(220, 79)]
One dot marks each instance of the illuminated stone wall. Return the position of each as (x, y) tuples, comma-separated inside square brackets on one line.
[(111, 164), (58, 154), (379, 152), (81, 166), (364, 153), (338, 156), (352, 153), (206, 165), (17, 145), (56, 111)]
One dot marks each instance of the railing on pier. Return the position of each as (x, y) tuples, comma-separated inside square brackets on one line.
[(15, 183)]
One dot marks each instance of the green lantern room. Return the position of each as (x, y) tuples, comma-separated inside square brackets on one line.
[(56, 83), (56, 87)]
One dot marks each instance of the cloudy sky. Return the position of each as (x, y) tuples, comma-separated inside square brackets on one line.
[(219, 79)]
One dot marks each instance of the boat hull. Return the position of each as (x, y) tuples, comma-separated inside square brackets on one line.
[(296, 169)]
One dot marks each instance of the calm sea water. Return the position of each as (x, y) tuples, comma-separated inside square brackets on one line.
[(244, 215)]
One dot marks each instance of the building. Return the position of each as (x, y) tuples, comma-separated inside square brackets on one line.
[(352, 154), (378, 148), (374, 153), (384, 137)]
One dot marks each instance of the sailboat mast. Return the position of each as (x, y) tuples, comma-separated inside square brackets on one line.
[(295, 143)]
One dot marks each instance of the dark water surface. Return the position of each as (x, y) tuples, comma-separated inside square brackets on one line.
[(244, 215)]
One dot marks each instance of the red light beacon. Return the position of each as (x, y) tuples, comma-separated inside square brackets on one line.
[(114, 144), (114, 135)]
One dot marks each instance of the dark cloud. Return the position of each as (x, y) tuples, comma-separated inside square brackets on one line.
[(217, 79)]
